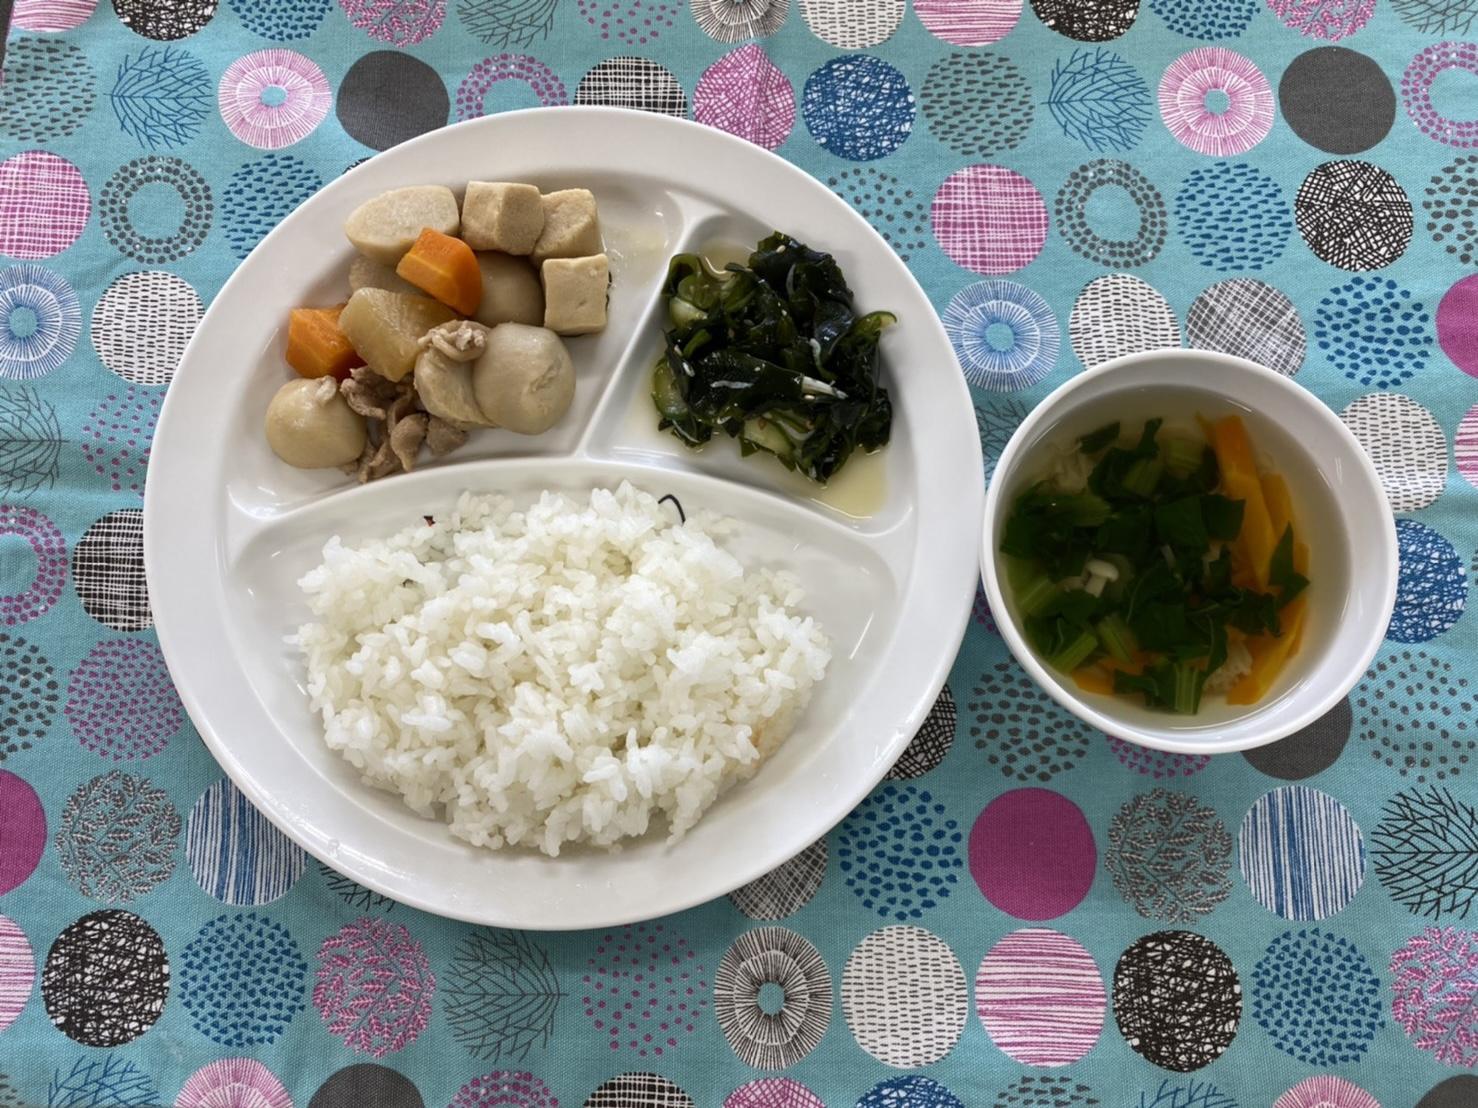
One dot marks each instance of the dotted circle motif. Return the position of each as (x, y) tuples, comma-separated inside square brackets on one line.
[(1233, 217), (629, 22), (1041, 999), (778, 958), (46, 204), (491, 72), (1169, 855), (745, 94), (1415, 716), (1088, 20), (29, 694), (1432, 589), (1250, 319), (989, 219), (49, 550), (48, 90), (1100, 100), (1119, 314), (128, 181), (629, 82), (1301, 853), (1353, 215), (900, 215), (1416, 91), (1206, 19), (1451, 204), (157, 304), (1003, 333), (1115, 253), (504, 1089), (1177, 999), (1157, 764), (44, 339), (1193, 77), (1374, 331), (1317, 998), (233, 1083), (1406, 444), (106, 979), (121, 702), (235, 853), (786, 889), (281, 20), (1049, 1091), (646, 990), (899, 851), (932, 741), (116, 837), (1435, 991), (117, 437), (1021, 730), (976, 104), (904, 996), (242, 980), (858, 107), (260, 195)]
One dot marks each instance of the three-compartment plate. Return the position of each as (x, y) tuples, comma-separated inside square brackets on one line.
[(887, 557)]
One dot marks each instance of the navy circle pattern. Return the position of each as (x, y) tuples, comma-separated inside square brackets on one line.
[(1208, 20), (1233, 216), (900, 852), (1433, 588), (858, 107), (48, 90), (242, 979), (914, 1091), (281, 20), (1317, 998), (260, 194), (1374, 331)]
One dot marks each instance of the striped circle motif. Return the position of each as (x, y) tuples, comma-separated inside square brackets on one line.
[(1216, 102), (1119, 314), (1041, 999), (731, 21), (1301, 853), (1004, 334), (968, 22), (233, 1083), (40, 319), (273, 98), (779, 959), (154, 303), (904, 996), (51, 15), (1325, 1090), (1465, 446), (1407, 445), (17, 971), (236, 855)]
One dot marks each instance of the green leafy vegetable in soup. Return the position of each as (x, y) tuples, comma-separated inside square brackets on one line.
[(772, 353)]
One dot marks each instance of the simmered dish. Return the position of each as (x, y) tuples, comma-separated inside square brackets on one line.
[(1161, 566)]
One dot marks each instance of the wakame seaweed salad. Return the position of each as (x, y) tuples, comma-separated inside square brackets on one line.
[(774, 354)]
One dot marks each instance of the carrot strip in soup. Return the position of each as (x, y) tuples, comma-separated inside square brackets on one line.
[(1241, 481)]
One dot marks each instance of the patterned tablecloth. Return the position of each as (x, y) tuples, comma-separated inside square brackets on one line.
[(1026, 913)]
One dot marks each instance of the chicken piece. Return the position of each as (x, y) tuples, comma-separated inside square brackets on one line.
[(406, 436), (443, 437)]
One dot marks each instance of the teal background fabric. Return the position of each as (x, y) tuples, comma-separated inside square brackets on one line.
[(1027, 914)]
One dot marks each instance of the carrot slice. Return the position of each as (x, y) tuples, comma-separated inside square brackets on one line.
[(1280, 504), (446, 268), (1241, 481), (315, 345), (1094, 679)]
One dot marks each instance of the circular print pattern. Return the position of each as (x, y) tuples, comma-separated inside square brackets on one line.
[(904, 996), (121, 702), (932, 741), (1004, 335), (1158, 764), (900, 852), (1301, 853), (273, 98), (51, 15), (1087, 20), (261, 194), (366, 1083), (1417, 710), (1216, 101), (157, 304), (41, 321), (853, 26), (1436, 993), (1432, 590), (233, 1083), (858, 107), (1049, 1091), (989, 219), (162, 96), (1317, 998), (1040, 997), (773, 1092), (1177, 999), (48, 90), (1118, 314), (1465, 446), (1457, 324), (1169, 854), (165, 21), (1330, 20), (106, 979), (49, 577), (1374, 332), (646, 989), (1456, 1092), (632, 22), (1324, 1090), (387, 97), (398, 22), (195, 205), (28, 696), (639, 1090), (1307, 751), (786, 889), (731, 21), (1452, 209), (373, 986), (117, 436), (504, 1089), (1113, 251), (1250, 319), (900, 215), (1032, 854), (1099, 99), (630, 82), (1337, 100), (1206, 19), (772, 1032), (22, 831), (17, 971), (913, 1091), (489, 73), (745, 94), (1233, 217), (977, 104), (281, 20), (45, 204), (235, 853), (117, 837), (1353, 215), (241, 979), (1416, 92), (968, 22), (1406, 444)]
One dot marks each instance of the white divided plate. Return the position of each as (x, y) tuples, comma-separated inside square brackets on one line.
[(229, 529)]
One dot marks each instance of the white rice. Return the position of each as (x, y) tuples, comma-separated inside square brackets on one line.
[(570, 672)]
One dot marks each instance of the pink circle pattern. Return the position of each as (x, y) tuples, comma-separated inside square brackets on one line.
[(1183, 90), (644, 989), (968, 22), (989, 219), (1435, 987), (473, 90), (1326, 1091), (631, 22), (306, 98), (121, 702), (17, 971), (773, 1092), (504, 1089), (1032, 853), (50, 551), (1457, 324), (745, 94), (1330, 20), (44, 204), (1465, 446), (373, 987), (1041, 998), (1157, 764), (398, 22), (52, 15), (117, 435), (22, 831), (1416, 91), (233, 1083)]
